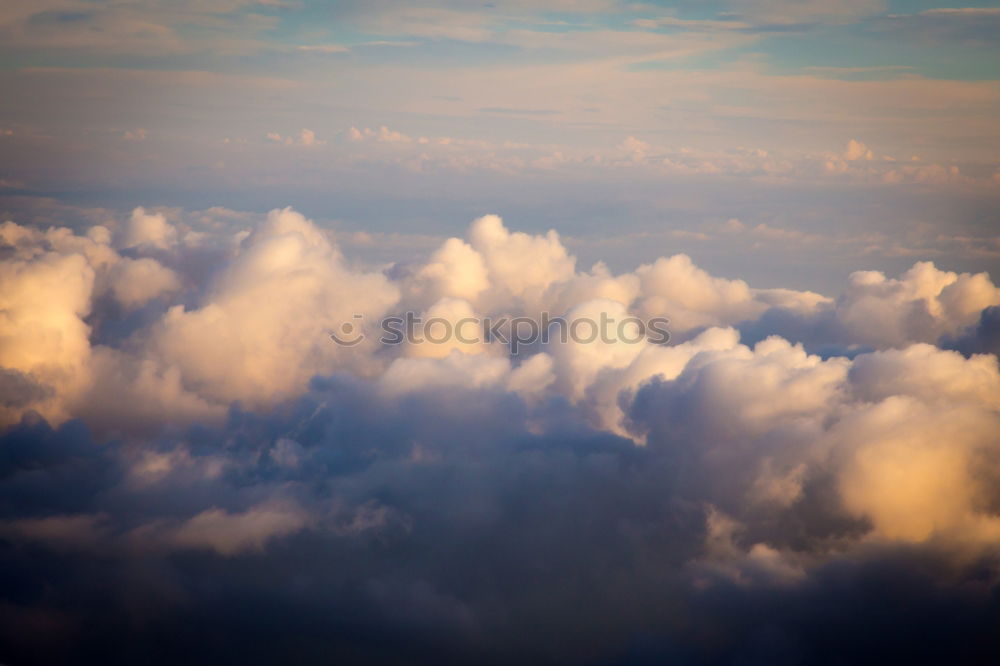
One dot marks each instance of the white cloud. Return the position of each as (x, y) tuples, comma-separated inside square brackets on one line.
[(381, 135), (921, 305), (148, 230), (521, 265), (912, 470), (261, 333), (42, 329), (455, 270), (306, 138), (135, 281), (455, 371)]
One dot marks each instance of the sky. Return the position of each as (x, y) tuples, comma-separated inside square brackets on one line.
[(633, 129), (197, 196)]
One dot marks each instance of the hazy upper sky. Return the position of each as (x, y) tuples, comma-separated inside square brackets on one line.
[(842, 134)]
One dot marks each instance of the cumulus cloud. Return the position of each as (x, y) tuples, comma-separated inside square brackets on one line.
[(523, 265), (306, 138), (857, 151), (911, 471), (383, 135), (923, 304), (455, 270), (171, 420), (136, 281), (261, 332), (43, 305), (148, 230)]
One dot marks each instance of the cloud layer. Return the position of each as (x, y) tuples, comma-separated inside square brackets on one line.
[(192, 469)]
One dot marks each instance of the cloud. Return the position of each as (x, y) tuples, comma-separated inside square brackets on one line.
[(134, 282), (325, 48), (193, 471), (226, 533), (182, 437), (261, 332), (149, 230), (45, 337), (256, 329), (455, 269), (141, 27), (975, 26), (857, 151), (305, 138), (922, 305), (785, 12), (855, 163), (911, 471), (383, 135), (982, 337), (523, 265)]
